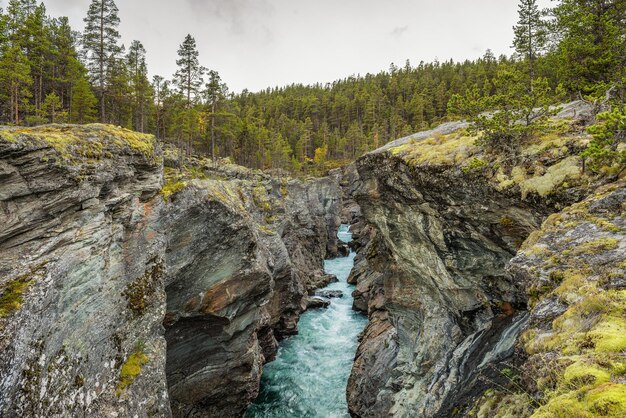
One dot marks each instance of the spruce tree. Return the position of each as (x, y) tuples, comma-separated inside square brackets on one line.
[(530, 34), (100, 41)]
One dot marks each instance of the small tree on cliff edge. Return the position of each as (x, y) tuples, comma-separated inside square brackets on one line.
[(510, 117)]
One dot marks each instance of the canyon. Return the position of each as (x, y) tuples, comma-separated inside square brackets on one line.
[(131, 287)]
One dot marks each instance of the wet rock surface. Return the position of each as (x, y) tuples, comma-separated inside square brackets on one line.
[(316, 302), (329, 294)]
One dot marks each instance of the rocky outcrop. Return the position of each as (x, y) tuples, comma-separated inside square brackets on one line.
[(81, 274), (105, 274), (445, 220), (241, 257), (574, 362)]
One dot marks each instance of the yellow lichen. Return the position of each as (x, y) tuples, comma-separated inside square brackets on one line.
[(594, 247), (443, 150), (131, 369), (568, 169)]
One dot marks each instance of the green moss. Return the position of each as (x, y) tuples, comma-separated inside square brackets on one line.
[(594, 247), (608, 400), (266, 230), (11, 299), (604, 400), (582, 374), (171, 188), (12, 292), (261, 199), (475, 165), (440, 150), (77, 142), (131, 369), (568, 169), (610, 335)]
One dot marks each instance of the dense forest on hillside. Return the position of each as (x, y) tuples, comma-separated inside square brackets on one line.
[(50, 73)]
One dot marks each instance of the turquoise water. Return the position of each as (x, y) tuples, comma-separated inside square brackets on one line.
[(310, 373)]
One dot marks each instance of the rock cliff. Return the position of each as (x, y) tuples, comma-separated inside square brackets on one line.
[(81, 273), (443, 222), (242, 255), (105, 274)]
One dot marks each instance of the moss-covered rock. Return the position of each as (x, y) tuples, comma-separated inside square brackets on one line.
[(75, 143), (131, 368), (579, 315)]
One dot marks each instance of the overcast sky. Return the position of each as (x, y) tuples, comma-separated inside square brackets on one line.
[(259, 43)]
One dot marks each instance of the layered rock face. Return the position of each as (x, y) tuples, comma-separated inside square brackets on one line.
[(442, 226), (574, 270), (241, 257), (100, 266), (81, 264)]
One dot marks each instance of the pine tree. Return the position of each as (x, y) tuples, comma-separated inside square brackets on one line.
[(37, 43), (15, 80), (100, 41), (530, 34), (593, 40), (51, 108), (159, 87), (188, 79), (83, 102), (140, 86), (215, 93)]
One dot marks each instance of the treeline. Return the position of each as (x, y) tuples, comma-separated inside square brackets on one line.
[(50, 73)]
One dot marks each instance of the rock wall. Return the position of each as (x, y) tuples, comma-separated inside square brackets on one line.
[(105, 274), (574, 270), (81, 262), (442, 222), (241, 257)]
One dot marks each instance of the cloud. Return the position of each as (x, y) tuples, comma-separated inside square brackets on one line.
[(242, 16), (398, 31)]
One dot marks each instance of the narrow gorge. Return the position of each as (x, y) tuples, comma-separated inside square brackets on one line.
[(465, 285)]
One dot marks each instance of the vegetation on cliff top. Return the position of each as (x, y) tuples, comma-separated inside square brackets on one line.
[(43, 78), (74, 142), (576, 365)]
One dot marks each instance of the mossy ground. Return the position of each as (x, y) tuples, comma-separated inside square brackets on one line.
[(546, 164), (78, 142)]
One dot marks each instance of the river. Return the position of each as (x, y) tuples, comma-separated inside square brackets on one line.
[(311, 370)]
